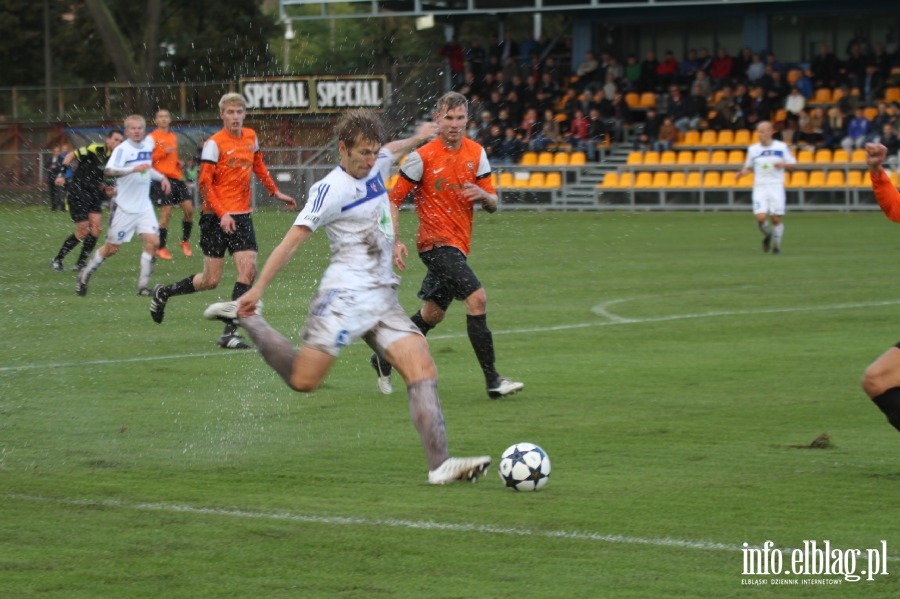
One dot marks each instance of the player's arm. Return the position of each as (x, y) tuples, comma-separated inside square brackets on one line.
[(482, 190), (280, 256), (424, 132), (886, 194)]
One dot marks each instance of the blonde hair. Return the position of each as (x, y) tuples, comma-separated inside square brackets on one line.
[(232, 98), (135, 117)]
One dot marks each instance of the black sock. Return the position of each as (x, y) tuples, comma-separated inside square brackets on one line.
[(483, 344), (163, 237), (420, 322), (182, 287), (67, 246), (186, 227), (87, 246), (238, 290), (889, 403)]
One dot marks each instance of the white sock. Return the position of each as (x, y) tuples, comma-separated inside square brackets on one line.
[(146, 270), (777, 233)]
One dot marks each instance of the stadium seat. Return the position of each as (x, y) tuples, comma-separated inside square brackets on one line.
[(626, 179), (895, 178), (712, 179), (746, 180), (796, 179), (529, 159), (495, 180), (661, 179), (633, 100), (677, 179), (719, 157), (521, 179), (553, 180), (858, 155), (835, 179), (736, 157), (693, 179), (577, 159), (648, 100), (667, 157), (780, 115), (635, 158), (691, 138), (701, 157), (506, 179), (822, 96), (685, 157), (856, 179), (651, 158), (840, 156), (537, 179), (816, 179), (836, 94), (545, 159), (610, 179), (805, 157), (644, 179), (725, 137), (871, 112), (729, 179), (823, 156), (708, 138), (892, 94), (561, 159), (742, 137), (794, 75)]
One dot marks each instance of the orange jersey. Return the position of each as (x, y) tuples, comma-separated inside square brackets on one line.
[(886, 195), (436, 176), (226, 164), (165, 154)]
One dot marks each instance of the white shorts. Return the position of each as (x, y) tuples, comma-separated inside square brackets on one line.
[(338, 317), (768, 199), (123, 225)]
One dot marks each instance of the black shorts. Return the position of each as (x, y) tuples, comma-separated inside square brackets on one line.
[(449, 276), (179, 194), (215, 242), (85, 200)]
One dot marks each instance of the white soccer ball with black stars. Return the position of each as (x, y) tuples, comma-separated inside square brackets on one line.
[(524, 467)]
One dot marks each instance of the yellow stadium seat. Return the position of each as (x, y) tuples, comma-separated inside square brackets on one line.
[(856, 179), (537, 179), (577, 159), (392, 180), (701, 157), (685, 157), (742, 137), (859, 155), (633, 99), (610, 179), (521, 179), (660, 179), (561, 159), (677, 179), (725, 137), (712, 179), (816, 179), (805, 157), (719, 157), (693, 179), (651, 158), (545, 159), (892, 94), (708, 138), (553, 181), (644, 179), (529, 159), (823, 156), (835, 179), (495, 180), (822, 96), (736, 157), (626, 179), (836, 94), (794, 75), (635, 158), (780, 115), (667, 157), (871, 112), (691, 138), (840, 156), (797, 179), (746, 180), (895, 178), (506, 179), (648, 100), (729, 179)]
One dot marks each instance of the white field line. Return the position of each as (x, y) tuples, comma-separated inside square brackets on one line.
[(600, 310), (427, 525)]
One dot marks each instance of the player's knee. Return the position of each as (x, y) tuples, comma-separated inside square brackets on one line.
[(476, 303), (303, 384)]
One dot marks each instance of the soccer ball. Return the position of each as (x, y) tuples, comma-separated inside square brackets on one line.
[(524, 467)]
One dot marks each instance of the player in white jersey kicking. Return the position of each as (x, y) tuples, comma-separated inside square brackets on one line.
[(357, 296), (768, 159), (131, 209)]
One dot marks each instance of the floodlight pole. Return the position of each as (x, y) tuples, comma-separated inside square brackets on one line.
[(288, 36)]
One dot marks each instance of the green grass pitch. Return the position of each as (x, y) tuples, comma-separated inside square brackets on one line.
[(675, 374)]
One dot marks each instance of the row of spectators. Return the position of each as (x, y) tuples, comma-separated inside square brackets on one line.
[(519, 105)]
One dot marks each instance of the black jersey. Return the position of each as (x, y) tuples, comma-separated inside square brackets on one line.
[(91, 161)]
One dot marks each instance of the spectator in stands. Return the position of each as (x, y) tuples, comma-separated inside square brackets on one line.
[(614, 67), (484, 125), (549, 132), (579, 126), (742, 102), (493, 140), (677, 107), (804, 84), (882, 61), (860, 40), (511, 68), (620, 118), (756, 69), (725, 109), (848, 102), (810, 129), (667, 136), (704, 61), (687, 68), (854, 67), (702, 79), (476, 58), (505, 120), (720, 70), (548, 86), (611, 87), (777, 89), (510, 148), (740, 63), (649, 75), (758, 108), (857, 131), (569, 102), (646, 139), (872, 86), (667, 70), (557, 75), (505, 48), (472, 130), (597, 133), (881, 117), (632, 73), (696, 112), (455, 55), (888, 138), (600, 101), (834, 128), (530, 126), (588, 71), (794, 103), (825, 68)]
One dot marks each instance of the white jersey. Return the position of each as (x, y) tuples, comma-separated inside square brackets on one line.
[(133, 189), (762, 159), (356, 215)]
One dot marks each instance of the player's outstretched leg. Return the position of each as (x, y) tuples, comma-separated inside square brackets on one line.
[(383, 369)]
